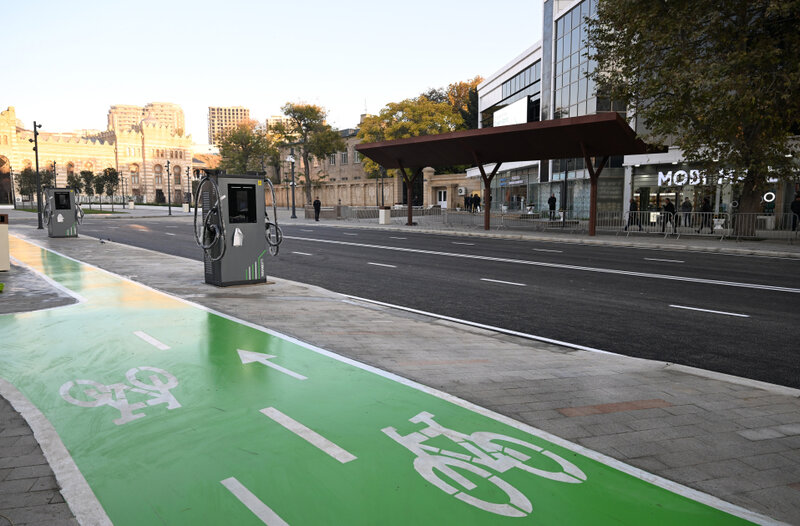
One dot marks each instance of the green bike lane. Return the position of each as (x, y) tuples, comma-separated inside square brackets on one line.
[(177, 415)]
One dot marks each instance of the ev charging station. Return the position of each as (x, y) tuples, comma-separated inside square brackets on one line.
[(61, 213), (235, 232)]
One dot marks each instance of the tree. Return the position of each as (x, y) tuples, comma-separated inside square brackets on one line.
[(244, 147), (75, 182), (47, 178), (111, 179), (408, 118), (27, 182), (308, 131), (88, 184), (723, 88), (462, 96), (99, 185)]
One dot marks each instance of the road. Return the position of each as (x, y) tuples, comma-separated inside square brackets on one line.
[(731, 314)]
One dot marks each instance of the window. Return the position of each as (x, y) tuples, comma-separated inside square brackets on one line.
[(356, 157), (332, 159), (344, 157)]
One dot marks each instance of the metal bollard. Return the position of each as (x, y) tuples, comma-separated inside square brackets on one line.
[(5, 263)]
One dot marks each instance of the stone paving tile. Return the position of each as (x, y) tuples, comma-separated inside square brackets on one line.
[(776, 502), (48, 513)]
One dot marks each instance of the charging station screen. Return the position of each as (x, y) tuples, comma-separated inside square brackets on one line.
[(62, 200), (241, 203)]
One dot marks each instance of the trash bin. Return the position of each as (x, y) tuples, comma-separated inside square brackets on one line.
[(385, 216), (5, 263)]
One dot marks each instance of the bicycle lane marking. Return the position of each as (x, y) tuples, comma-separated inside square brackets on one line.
[(168, 464)]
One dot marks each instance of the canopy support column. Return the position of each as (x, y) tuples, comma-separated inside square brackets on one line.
[(409, 189), (487, 189), (594, 175)]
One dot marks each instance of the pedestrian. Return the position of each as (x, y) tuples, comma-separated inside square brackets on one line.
[(552, 204), (795, 207), (633, 215), (476, 202), (467, 200), (668, 215), (705, 219), (686, 208), (317, 208)]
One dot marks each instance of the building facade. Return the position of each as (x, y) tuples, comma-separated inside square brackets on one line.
[(550, 81), (221, 118), (153, 158)]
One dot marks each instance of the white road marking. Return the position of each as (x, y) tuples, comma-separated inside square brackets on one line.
[(562, 265), (390, 237), (253, 503), (665, 260), (381, 264), (304, 230), (310, 436), (711, 311), (348, 234), (460, 243), (504, 282), (302, 253), (250, 357), (546, 250), (170, 233), (152, 341)]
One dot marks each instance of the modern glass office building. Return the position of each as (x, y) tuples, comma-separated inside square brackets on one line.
[(549, 81)]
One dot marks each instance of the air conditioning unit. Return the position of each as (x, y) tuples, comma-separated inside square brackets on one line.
[(462, 190)]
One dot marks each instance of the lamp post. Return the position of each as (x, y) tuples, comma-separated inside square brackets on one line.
[(35, 142), (189, 185), (55, 176), (291, 160), (169, 190)]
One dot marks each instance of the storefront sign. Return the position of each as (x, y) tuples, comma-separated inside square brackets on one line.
[(694, 177)]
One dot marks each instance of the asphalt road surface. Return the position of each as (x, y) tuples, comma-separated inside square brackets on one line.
[(734, 314)]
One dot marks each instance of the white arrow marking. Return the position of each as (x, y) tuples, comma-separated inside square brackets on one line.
[(253, 503), (309, 435), (249, 357)]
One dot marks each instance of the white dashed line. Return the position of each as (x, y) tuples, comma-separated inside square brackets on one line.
[(546, 250), (459, 243), (348, 234), (301, 253), (310, 436), (390, 237), (152, 341), (380, 264), (169, 233), (253, 503), (665, 260), (504, 282), (711, 311), (304, 230)]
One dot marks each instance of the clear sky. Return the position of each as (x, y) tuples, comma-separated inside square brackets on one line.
[(65, 62)]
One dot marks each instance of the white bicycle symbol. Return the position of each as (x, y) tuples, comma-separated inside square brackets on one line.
[(97, 394), (486, 450)]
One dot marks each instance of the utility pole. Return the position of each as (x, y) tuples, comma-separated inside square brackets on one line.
[(291, 160), (169, 190), (35, 142)]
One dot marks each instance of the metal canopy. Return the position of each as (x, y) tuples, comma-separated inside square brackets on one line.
[(602, 134)]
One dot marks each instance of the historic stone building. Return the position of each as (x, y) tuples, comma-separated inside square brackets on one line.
[(144, 151)]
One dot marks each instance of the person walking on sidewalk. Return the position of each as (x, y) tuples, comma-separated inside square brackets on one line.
[(633, 215), (686, 210), (317, 208), (795, 208), (476, 203), (668, 215), (705, 219), (552, 204)]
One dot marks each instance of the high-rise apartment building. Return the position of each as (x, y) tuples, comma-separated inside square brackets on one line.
[(126, 116), (222, 118), (278, 119)]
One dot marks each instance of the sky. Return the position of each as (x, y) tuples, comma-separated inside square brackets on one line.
[(66, 63)]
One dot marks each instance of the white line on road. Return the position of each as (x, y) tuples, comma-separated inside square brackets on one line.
[(460, 243), (253, 503), (310, 436), (152, 341), (711, 311), (390, 237), (381, 264), (170, 233), (561, 265), (302, 253), (304, 230), (546, 250), (665, 260), (348, 234), (504, 282)]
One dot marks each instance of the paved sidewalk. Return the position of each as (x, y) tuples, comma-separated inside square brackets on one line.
[(735, 439)]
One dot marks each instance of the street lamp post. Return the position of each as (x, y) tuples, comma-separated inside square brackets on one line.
[(35, 142), (189, 185), (169, 190), (291, 160), (55, 176)]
